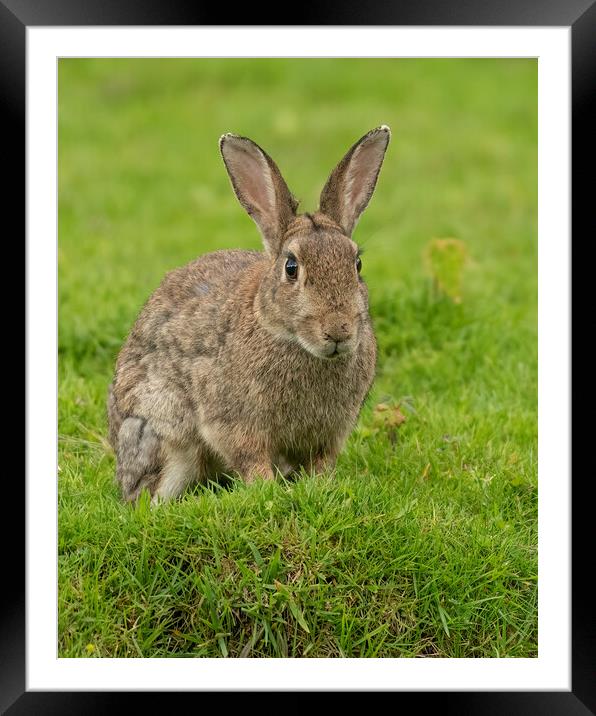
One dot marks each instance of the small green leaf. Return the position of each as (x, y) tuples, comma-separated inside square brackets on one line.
[(444, 616), (298, 615), (223, 647), (256, 554), (446, 260), (273, 568)]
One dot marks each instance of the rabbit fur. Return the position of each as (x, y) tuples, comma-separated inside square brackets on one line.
[(236, 366)]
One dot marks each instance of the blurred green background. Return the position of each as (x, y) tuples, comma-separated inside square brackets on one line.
[(142, 189), (141, 176)]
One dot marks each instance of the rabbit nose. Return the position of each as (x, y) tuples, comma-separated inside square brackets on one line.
[(338, 334)]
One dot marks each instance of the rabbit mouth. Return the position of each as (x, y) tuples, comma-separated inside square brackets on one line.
[(331, 350), (337, 351)]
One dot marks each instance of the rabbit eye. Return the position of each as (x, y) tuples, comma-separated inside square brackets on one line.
[(292, 268), (358, 264)]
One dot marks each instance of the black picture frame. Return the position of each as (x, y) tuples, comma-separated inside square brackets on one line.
[(580, 15)]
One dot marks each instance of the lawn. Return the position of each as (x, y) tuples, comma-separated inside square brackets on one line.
[(424, 540)]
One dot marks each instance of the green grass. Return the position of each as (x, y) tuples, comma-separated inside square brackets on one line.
[(424, 542)]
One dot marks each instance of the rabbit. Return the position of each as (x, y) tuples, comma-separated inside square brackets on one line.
[(252, 362)]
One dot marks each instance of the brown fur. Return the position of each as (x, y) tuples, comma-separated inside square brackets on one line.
[(226, 368)]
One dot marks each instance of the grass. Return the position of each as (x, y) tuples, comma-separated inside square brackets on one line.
[(424, 542)]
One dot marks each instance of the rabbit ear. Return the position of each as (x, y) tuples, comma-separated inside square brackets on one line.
[(260, 188), (351, 184)]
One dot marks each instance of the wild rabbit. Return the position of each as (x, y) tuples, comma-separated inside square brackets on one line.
[(251, 362)]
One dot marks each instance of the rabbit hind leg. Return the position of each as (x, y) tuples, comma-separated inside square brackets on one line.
[(139, 454), (182, 466)]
